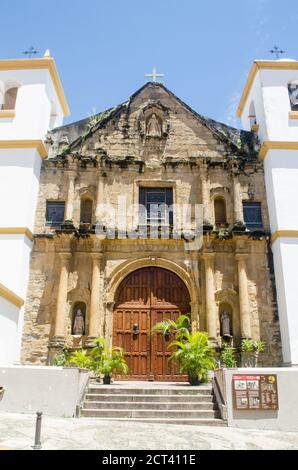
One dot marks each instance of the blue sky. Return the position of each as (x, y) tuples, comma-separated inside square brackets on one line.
[(104, 48)]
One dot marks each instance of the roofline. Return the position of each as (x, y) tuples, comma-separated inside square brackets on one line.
[(259, 65), (40, 63)]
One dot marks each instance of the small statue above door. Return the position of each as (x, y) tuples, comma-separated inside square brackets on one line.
[(78, 328), (153, 127)]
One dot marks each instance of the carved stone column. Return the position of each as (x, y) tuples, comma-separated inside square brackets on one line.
[(99, 199), (59, 331), (210, 297), (205, 194), (243, 296), (95, 322), (70, 196), (238, 207)]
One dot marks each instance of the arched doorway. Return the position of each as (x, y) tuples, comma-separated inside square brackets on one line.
[(146, 297)]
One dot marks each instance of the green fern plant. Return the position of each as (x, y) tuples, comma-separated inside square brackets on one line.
[(179, 328), (227, 356), (80, 359), (194, 355)]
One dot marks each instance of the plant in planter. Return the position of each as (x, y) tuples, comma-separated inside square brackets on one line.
[(105, 361), (61, 359), (259, 347), (178, 328), (113, 361), (250, 352), (80, 359), (227, 357), (194, 355)]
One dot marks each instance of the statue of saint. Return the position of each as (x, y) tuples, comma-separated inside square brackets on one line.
[(225, 321), (153, 127), (79, 323)]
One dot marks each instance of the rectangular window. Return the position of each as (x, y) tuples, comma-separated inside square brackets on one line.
[(156, 206), (252, 215), (55, 213)]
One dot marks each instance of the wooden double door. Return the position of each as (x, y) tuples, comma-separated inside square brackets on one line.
[(146, 297)]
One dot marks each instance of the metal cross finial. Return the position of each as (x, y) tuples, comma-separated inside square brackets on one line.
[(276, 51), (155, 75), (31, 51)]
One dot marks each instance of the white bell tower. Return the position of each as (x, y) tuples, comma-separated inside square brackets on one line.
[(32, 102), (269, 107)]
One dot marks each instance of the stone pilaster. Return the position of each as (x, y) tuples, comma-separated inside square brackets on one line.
[(238, 207), (70, 196), (210, 295), (95, 320), (99, 199), (59, 331), (205, 194), (243, 296)]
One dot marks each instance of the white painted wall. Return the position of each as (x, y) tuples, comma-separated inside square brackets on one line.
[(272, 105), (53, 390), (37, 110), (36, 100), (284, 419), (19, 186), (9, 321), (285, 252)]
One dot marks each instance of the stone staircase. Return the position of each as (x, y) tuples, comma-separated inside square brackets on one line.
[(154, 403)]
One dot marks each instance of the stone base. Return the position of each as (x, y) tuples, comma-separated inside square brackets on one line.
[(57, 342), (89, 342)]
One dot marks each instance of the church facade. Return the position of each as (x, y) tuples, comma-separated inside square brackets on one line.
[(93, 273)]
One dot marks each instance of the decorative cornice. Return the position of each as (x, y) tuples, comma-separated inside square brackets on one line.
[(293, 115), (17, 231), (25, 144), (11, 296), (7, 113), (43, 63), (284, 234), (276, 145), (258, 65)]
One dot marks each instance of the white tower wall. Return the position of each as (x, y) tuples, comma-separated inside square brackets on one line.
[(40, 105), (277, 128)]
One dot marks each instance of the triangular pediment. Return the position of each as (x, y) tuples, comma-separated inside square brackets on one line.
[(183, 131)]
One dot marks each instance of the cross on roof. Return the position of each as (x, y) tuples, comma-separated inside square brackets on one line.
[(276, 51), (31, 51), (154, 75)]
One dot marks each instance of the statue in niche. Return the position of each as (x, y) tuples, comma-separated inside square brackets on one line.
[(153, 127), (78, 328), (225, 323)]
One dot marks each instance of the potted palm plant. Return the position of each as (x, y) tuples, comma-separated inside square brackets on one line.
[(194, 355), (105, 361), (177, 328), (227, 357), (80, 359), (250, 351)]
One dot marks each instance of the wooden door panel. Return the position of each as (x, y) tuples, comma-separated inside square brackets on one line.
[(146, 297)]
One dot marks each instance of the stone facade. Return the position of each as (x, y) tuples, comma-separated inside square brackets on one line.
[(114, 155)]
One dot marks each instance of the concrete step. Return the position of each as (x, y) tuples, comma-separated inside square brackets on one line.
[(158, 414), (152, 398), (102, 390), (105, 405), (187, 422)]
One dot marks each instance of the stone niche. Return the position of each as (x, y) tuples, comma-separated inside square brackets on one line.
[(154, 122)]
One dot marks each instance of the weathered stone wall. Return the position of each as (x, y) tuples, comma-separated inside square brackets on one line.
[(194, 161)]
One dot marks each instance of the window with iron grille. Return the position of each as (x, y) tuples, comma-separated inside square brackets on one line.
[(252, 212), (55, 213), (158, 204)]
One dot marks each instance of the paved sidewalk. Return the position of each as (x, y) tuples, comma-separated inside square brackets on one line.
[(17, 432)]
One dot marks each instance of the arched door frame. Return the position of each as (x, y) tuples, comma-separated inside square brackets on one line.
[(128, 267)]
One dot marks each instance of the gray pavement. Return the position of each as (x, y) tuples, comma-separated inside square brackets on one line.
[(17, 432)]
